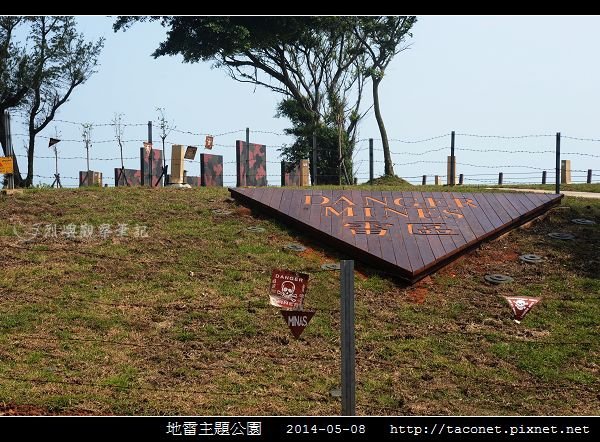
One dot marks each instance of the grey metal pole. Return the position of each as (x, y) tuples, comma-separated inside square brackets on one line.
[(247, 154), (150, 154), (314, 158), (371, 175), (589, 176), (452, 161), (424, 182), (544, 177), (500, 178), (347, 325), (461, 178), (557, 162)]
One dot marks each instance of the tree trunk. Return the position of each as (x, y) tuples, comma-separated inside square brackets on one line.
[(30, 150), (16, 175), (387, 157)]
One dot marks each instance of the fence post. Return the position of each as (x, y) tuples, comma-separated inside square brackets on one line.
[(371, 160), (544, 177), (452, 177), (424, 180), (314, 159), (500, 176), (461, 178), (589, 176), (247, 154), (151, 156), (565, 171), (557, 162), (347, 325), (437, 180)]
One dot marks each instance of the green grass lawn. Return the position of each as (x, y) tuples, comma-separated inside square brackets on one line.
[(179, 322)]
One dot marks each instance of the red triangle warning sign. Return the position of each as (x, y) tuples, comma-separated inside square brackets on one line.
[(297, 320), (407, 234), (521, 305)]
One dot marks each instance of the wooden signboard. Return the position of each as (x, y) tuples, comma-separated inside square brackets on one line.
[(408, 234)]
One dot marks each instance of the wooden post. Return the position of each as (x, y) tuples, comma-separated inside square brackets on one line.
[(304, 181), (438, 182), (177, 163), (348, 350), (565, 172)]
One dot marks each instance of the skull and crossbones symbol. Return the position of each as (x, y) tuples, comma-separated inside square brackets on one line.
[(520, 304), (287, 289)]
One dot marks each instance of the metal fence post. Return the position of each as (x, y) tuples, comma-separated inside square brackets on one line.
[(461, 178), (347, 326), (247, 154), (150, 154), (371, 174), (557, 162), (424, 182), (589, 176), (451, 181), (544, 177), (500, 178), (314, 158)]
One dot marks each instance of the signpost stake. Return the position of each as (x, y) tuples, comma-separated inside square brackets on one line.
[(557, 162), (247, 159), (371, 173), (314, 159), (348, 352)]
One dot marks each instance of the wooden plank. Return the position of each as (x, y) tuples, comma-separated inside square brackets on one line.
[(446, 240), (373, 242), (515, 200), (424, 249), (410, 243), (360, 240), (506, 205), (465, 234), (337, 223), (315, 209), (325, 224), (434, 240), (525, 202), (495, 204), (489, 211), (450, 220), (396, 236), (472, 221)]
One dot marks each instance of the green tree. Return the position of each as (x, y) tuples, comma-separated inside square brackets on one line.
[(313, 61), (56, 61), (382, 39), (14, 74)]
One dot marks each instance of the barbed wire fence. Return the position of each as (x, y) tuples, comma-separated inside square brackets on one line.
[(479, 160)]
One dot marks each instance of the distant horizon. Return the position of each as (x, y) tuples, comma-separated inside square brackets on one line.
[(509, 76)]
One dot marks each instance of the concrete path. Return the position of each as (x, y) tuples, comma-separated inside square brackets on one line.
[(592, 195)]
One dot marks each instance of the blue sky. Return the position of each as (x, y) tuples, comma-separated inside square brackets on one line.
[(482, 75)]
